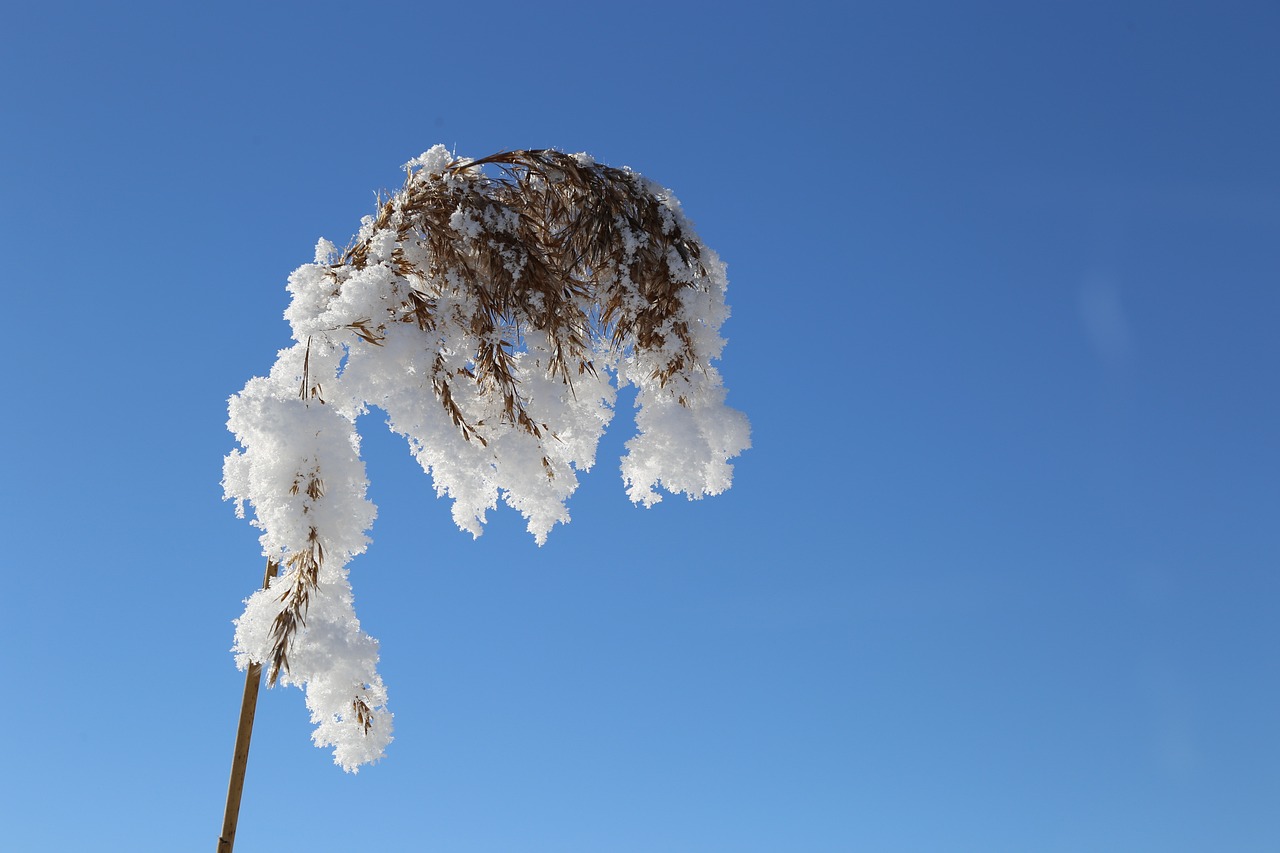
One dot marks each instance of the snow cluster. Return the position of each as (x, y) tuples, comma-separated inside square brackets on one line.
[(299, 465)]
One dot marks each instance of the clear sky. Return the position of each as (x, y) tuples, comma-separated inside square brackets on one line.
[(999, 574)]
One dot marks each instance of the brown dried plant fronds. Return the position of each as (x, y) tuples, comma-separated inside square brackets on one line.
[(364, 716), (366, 333), (307, 389), (300, 581), (581, 252)]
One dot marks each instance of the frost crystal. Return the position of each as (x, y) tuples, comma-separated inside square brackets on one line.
[(491, 308)]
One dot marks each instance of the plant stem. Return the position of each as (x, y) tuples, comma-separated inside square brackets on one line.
[(244, 732)]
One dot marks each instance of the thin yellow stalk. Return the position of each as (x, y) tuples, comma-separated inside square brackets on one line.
[(244, 732)]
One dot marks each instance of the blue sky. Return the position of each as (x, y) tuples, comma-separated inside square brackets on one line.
[(999, 573)]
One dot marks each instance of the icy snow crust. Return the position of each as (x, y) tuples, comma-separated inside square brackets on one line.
[(296, 426)]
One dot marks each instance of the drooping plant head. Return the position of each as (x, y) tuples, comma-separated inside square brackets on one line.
[(491, 308)]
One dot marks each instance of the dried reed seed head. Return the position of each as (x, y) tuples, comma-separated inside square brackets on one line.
[(301, 579), (364, 717), (578, 251)]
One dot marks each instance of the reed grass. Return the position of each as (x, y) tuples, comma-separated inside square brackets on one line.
[(584, 253)]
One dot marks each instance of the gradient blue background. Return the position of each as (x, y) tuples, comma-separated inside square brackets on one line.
[(998, 575)]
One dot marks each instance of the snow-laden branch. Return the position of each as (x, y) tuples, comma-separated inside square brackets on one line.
[(491, 308)]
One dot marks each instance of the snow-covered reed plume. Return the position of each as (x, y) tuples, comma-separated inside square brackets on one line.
[(491, 308)]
